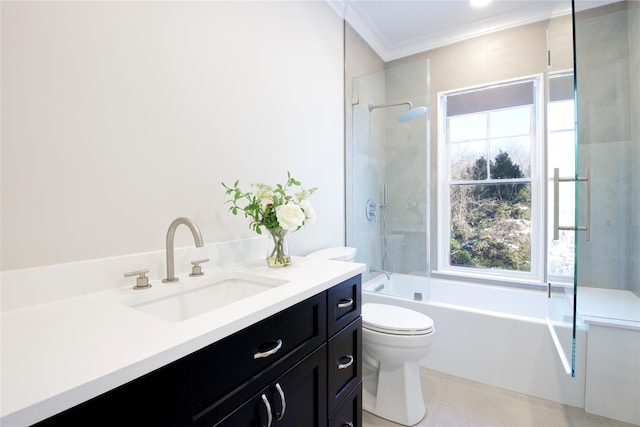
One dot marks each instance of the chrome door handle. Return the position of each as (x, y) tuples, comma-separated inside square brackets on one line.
[(347, 302), (268, 353), (265, 402), (347, 364), (283, 401), (557, 179)]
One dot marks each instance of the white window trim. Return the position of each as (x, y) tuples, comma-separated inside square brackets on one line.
[(538, 197)]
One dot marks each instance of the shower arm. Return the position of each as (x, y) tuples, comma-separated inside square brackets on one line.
[(373, 107)]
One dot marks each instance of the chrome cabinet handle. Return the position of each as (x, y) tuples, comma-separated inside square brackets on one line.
[(265, 402), (347, 302), (349, 424), (283, 401), (347, 364), (268, 353)]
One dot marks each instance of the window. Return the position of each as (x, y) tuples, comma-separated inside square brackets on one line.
[(489, 181), (561, 154)]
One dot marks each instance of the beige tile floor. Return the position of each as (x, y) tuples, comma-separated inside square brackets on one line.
[(456, 402)]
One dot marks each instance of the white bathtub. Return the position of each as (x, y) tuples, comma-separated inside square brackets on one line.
[(491, 334)]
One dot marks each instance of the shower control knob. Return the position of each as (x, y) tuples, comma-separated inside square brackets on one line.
[(370, 210)]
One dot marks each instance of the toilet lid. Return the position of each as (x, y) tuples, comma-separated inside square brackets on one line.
[(391, 319)]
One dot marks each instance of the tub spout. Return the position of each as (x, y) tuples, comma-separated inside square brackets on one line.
[(386, 273)]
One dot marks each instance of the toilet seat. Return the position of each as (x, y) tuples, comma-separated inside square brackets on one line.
[(394, 320)]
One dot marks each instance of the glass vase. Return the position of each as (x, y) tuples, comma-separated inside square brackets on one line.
[(278, 248)]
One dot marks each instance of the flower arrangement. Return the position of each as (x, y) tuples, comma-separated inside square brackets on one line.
[(274, 209)]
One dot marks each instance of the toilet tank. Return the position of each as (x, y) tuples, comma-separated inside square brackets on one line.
[(343, 253)]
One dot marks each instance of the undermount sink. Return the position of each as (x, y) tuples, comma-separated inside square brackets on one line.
[(188, 300)]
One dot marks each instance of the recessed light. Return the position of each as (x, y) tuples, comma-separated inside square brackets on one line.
[(480, 3)]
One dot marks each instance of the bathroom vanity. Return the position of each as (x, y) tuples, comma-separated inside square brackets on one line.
[(300, 366)]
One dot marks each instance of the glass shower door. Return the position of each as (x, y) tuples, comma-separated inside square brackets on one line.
[(563, 184), (595, 250), (387, 189)]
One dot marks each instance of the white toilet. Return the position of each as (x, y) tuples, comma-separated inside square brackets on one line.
[(394, 339)]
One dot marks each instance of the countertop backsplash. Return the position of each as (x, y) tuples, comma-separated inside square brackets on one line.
[(40, 285)]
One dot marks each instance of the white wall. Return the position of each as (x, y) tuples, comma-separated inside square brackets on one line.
[(118, 117)]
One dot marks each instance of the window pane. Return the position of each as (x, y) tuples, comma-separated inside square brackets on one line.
[(465, 163), (514, 121), (560, 116), (562, 152), (511, 157), (464, 128), (491, 226), (561, 254)]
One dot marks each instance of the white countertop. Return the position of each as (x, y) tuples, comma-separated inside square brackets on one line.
[(58, 354), (609, 307)]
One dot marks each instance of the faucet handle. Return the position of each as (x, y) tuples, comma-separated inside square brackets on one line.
[(142, 282), (196, 269)]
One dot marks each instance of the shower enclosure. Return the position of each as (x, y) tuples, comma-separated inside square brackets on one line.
[(387, 210), (591, 192)]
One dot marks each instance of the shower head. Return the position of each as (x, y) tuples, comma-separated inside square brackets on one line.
[(406, 116), (412, 114)]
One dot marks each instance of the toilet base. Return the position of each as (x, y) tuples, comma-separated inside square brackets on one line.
[(399, 394)]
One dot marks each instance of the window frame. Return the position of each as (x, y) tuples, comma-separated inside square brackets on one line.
[(566, 95), (536, 274)]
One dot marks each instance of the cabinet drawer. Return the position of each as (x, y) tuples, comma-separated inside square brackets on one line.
[(344, 363), (349, 413), (343, 304), (295, 399), (216, 371)]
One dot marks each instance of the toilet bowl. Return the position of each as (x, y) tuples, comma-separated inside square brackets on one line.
[(394, 340)]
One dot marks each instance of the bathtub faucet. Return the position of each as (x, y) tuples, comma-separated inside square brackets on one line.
[(386, 273)]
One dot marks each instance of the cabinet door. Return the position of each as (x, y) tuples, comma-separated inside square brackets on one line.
[(257, 412), (296, 399), (304, 392)]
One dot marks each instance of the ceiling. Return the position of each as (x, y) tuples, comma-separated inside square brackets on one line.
[(398, 28)]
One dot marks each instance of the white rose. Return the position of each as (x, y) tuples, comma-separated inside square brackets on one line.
[(290, 216), (264, 202), (309, 212)]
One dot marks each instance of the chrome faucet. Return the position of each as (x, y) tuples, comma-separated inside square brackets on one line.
[(386, 273), (197, 236)]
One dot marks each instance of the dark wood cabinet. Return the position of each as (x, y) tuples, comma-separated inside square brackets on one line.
[(298, 368), (297, 398), (344, 363), (228, 372), (343, 304), (349, 413)]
